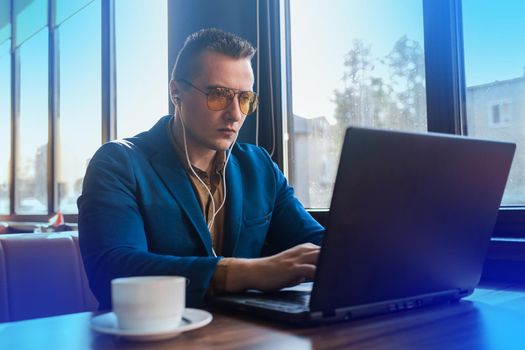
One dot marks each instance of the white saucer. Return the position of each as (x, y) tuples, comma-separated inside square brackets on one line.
[(192, 319)]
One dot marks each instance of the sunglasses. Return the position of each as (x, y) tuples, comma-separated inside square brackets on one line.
[(219, 98)]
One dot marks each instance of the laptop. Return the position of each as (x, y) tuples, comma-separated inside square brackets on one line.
[(410, 221)]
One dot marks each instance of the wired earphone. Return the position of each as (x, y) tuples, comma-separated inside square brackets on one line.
[(178, 112)]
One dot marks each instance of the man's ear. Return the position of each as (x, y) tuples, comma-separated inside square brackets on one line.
[(174, 92)]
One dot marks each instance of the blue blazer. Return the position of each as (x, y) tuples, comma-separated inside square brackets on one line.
[(139, 215)]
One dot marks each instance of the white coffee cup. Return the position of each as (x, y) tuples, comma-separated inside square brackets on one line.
[(148, 303)]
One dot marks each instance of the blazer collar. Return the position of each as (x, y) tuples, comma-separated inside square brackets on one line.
[(163, 159)]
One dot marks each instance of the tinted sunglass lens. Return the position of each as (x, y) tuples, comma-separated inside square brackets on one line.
[(248, 102), (219, 99)]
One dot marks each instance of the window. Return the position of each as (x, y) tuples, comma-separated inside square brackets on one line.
[(78, 135), (353, 63), (32, 132), (5, 125), (59, 108), (495, 78), (500, 114), (141, 35)]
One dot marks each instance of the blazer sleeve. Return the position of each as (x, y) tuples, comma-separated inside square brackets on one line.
[(112, 238), (290, 224)]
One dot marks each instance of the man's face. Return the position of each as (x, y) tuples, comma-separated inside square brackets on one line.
[(206, 129)]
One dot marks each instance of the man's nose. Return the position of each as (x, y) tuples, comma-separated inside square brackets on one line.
[(234, 110)]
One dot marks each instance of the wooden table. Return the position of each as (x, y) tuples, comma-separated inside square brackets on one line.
[(492, 318)]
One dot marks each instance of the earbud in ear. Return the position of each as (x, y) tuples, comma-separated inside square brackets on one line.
[(175, 99)]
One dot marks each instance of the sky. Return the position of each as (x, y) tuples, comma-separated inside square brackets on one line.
[(494, 40), (322, 33)]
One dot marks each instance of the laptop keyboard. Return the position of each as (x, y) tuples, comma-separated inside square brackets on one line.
[(289, 301)]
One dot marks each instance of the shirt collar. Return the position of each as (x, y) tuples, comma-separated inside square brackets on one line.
[(219, 161)]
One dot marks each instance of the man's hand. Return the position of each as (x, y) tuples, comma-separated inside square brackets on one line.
[(285, 269)]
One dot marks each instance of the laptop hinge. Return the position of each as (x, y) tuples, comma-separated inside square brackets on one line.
[(328, 314)]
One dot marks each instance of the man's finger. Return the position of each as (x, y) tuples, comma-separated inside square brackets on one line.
[(309, 257), (305, 270)]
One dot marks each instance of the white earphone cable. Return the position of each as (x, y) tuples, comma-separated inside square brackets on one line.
[(215, 212)]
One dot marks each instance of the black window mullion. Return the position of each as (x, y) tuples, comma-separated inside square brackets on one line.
[(444, 75), (15, 108), (271, 125), (53, 108), (108, 88), (288, 154)]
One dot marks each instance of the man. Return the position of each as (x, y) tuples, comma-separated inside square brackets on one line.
[(185, 199)]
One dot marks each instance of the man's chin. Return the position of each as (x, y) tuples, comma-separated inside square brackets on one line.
[(222, 146)]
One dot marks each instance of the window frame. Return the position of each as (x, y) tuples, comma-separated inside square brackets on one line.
[(446, 96), (108, 112)]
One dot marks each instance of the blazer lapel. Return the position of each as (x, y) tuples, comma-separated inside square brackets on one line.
[(176, 180), (234, 210), (164, 160)]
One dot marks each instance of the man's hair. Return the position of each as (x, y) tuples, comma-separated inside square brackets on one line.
[(210, 39)]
